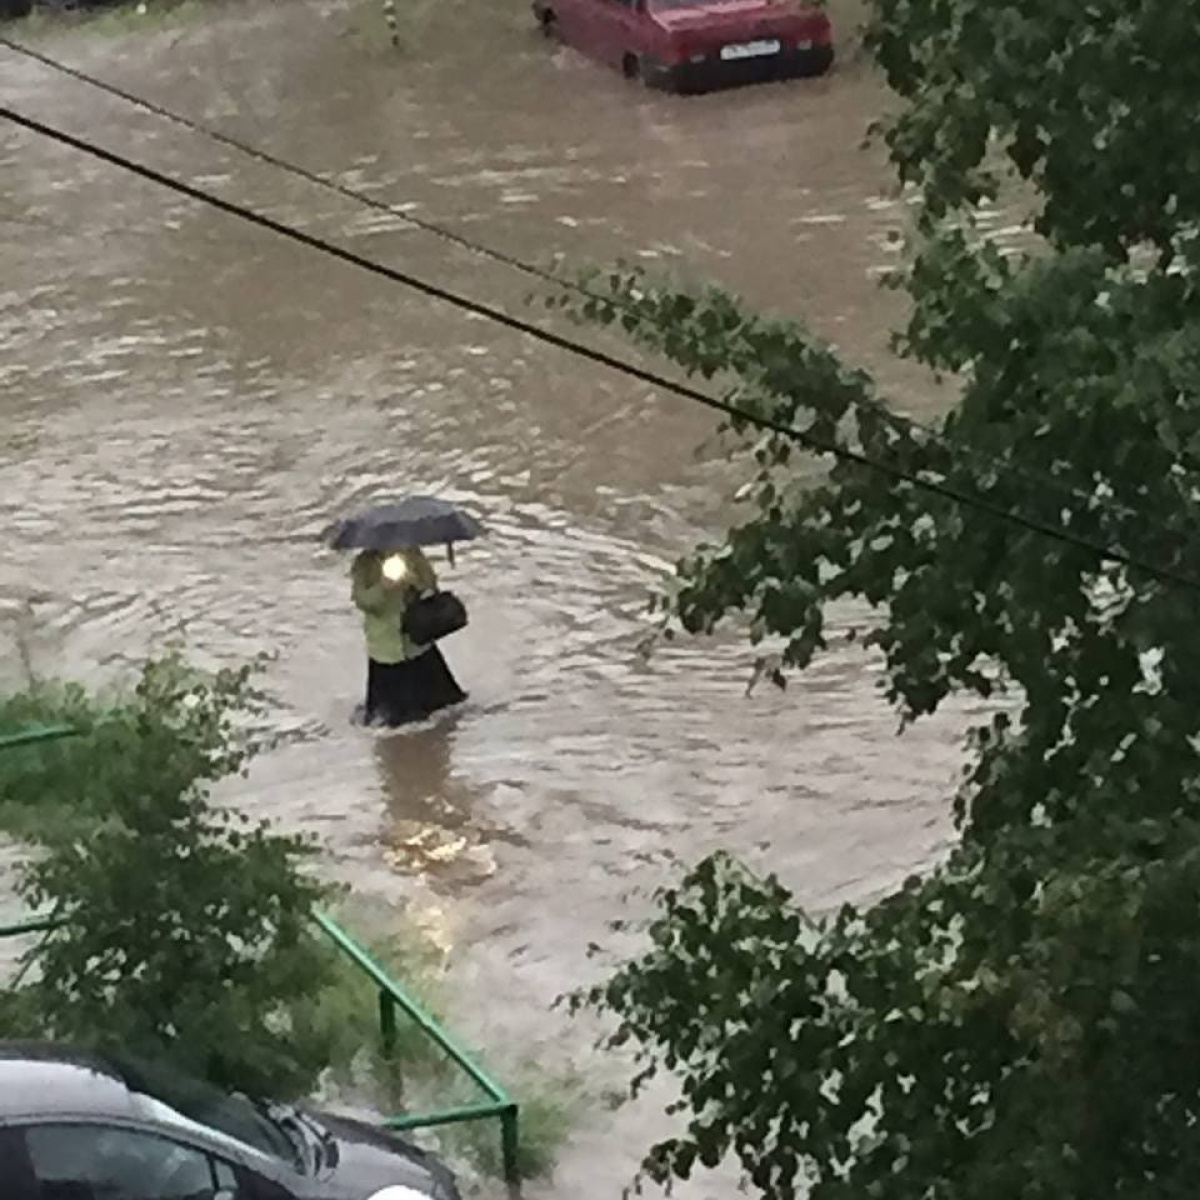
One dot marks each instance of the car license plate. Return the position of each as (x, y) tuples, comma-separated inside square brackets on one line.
[(750, 49), (804, 45)]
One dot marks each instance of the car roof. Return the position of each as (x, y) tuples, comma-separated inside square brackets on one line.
[(39, 1078)]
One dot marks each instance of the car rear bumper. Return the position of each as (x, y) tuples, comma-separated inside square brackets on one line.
[(714, 73)]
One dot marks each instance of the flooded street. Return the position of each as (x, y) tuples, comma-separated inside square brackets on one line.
[(187, 401)]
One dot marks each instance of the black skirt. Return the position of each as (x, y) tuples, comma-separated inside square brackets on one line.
[(412, 690)]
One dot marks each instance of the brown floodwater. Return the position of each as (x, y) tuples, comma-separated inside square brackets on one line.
[(186, 401)]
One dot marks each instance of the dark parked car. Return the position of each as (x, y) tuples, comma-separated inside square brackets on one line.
[(695, 45), (77, 1126)]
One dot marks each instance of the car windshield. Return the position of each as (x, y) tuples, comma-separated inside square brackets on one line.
[(235, 1116)]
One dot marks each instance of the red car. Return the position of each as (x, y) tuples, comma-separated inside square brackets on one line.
[(695, 45)]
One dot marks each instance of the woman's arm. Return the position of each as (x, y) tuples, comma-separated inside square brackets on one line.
[(423, 576), (368, 589)]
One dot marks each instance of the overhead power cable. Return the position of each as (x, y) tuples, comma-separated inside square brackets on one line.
[(532, 270), (1167, 575)]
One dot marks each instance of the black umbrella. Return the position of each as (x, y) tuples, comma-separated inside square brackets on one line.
[(414, 521)]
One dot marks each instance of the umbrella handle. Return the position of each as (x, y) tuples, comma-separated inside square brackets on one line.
[(450, 553)]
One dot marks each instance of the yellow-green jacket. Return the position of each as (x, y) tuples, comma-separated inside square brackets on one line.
[(383, 604)]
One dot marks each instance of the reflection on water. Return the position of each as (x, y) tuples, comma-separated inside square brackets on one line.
[(431, 829), (187, 402)]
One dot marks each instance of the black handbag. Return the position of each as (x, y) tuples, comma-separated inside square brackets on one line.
[(434, 617)]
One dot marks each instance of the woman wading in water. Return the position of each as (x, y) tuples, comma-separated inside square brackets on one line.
[(406, 682)]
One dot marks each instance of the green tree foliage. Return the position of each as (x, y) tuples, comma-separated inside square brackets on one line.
[(1021, 1021), (185, 927), (1083, 101), (176, 728)]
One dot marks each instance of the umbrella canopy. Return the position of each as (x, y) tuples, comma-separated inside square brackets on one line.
[(414, 521)]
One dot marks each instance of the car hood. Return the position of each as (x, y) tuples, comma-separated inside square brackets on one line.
[(743, 15), (370, 1158)]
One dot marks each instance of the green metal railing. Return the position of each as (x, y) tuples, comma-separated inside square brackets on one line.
[(499, 1106), (36, 733), (30, 925)]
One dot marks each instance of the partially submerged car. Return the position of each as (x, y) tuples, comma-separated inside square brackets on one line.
[(82, 1126), (695, 45)]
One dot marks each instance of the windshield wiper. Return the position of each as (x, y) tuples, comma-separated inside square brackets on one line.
[(329, 1146), (309, 1150)]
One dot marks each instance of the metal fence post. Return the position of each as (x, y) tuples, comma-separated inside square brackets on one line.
[(387, 1023), (510, 1135)]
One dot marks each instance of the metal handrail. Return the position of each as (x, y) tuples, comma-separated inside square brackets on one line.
[(393, 996), (30, 925), (353, 950), (36, 733)]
